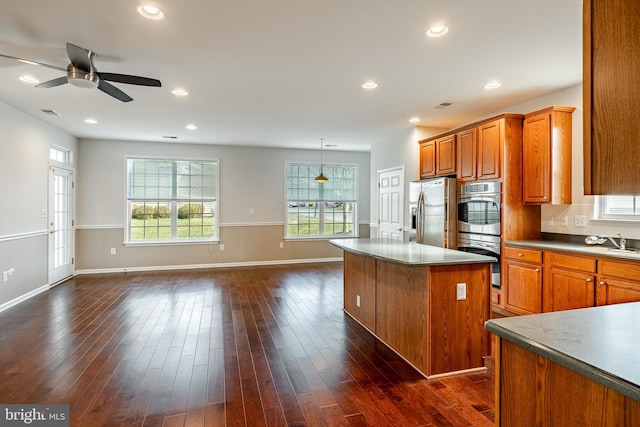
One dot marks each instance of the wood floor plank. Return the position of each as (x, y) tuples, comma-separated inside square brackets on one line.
[(251, 346)]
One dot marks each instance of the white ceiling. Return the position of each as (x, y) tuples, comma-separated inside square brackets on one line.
[(285, 73)]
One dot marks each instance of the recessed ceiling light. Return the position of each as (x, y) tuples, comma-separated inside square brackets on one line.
[(414, 120), (29, 79), (370, 85), (437, 31), (191, 126), (492, 85), (91, 121), (150, 11), (179, 92)]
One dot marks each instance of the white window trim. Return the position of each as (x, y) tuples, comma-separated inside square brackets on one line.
[(127, 211), (356, 224)]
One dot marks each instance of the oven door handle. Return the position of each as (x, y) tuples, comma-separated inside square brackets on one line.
[(464, 199), (478, 245)]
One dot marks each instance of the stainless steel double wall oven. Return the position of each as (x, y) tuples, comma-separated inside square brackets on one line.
[(479, 221)]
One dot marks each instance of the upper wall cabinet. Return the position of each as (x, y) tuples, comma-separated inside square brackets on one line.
[(438, 157), (546, 156), (611, 96)]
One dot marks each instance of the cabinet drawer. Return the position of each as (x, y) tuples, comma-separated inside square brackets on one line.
[(572, 262), (527, 255), (623, 270)]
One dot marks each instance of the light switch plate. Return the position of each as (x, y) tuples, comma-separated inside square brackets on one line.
[(461, 291)]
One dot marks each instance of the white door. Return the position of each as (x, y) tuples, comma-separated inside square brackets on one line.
[(61, 236), (390, 196)]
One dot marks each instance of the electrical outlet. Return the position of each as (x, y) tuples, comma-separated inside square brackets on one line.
[(281, 245), (222, 247), (251, 211), (461, 291), (565, 221), (580, 221), (357, 300), (113, 251), (549, 220)]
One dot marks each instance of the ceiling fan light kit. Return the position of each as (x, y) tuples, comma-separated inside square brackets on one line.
[(81, 72)]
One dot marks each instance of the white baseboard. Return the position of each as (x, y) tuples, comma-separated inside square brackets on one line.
[(7, 305), (216, 265)]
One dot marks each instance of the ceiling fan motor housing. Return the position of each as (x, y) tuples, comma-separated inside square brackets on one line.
[(80, 78)]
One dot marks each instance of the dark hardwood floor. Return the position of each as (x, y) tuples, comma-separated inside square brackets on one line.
[(219, 347)]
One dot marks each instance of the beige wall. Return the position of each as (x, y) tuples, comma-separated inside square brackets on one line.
[(251, 180), (24, 168)]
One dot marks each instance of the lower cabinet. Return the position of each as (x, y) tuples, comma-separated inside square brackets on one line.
[(537, 281), (360, 288), (523, 272), (617, 282), (569, 282)]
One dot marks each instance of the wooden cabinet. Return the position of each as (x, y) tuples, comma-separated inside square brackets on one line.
[(360, 289), (569, 281), (467, 155), (490, 142), (523, 272), (618, 282), (438, 157), (611, 68), (547, 156)]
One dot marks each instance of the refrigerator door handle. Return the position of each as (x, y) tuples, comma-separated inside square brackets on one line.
[(419, 218)]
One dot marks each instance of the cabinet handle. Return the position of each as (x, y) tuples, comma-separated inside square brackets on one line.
[(589, 279), (537, 270), (602, 283), (520, 254)]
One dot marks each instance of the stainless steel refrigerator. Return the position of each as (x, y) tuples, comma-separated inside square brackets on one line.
[(433, 205)]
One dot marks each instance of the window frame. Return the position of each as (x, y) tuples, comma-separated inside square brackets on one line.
[(600, 214), (174, 202), (321, 202)]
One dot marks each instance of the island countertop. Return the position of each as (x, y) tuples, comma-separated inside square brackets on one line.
[(409, 253), (600, 343)]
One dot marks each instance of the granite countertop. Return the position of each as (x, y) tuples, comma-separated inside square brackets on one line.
[(576, 248), (409, 253), (600, 343)]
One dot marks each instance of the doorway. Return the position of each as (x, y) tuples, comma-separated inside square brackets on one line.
[(61, 224), (391, 203)]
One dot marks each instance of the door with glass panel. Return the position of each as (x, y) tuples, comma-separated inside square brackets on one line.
[(61, 236)]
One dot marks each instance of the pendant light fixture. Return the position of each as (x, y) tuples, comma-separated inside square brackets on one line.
[(321, 178)]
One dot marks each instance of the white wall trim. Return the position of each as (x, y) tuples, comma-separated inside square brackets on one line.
[(99, 227), (7, 305), (225, 224), (197, 266), (23, 235)]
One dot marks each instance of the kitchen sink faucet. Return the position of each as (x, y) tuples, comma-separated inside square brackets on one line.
[(623, 242)]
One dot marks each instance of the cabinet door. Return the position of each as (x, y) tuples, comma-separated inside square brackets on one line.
[(523, 287), (611, 69), (427, 159), (536, 159), (467, 155), (446, 155), (489, 145), (566, 290), (616, 291)]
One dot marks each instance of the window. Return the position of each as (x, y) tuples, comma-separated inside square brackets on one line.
[(618, 207), (172, 200), (321, 210), (59, 155)]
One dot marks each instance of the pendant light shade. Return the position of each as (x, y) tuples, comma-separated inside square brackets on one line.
[(321, 178)]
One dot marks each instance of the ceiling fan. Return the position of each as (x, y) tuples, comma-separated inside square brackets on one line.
[(81, 72)]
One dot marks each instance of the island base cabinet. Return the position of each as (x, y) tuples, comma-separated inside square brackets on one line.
[(532, 390), (420, 315), (360, 289)]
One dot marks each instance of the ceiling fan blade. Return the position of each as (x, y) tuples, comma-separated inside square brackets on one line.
[(79, 57), (53, 83), (28, 61), (132, 80), (110, 89)]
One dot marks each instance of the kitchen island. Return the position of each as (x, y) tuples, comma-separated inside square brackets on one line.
[(569, 368), (428, 304)]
